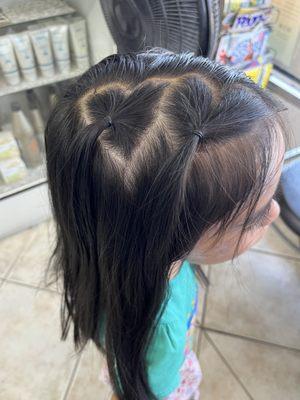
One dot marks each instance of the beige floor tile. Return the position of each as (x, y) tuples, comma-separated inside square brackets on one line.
[(274, 243), (34, 363), (86, 384), (198, 337), (258, 297), (11, 247), (30, 266), (218, 383), (268, 372)]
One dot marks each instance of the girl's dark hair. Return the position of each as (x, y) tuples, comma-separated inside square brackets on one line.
[(131, 198)]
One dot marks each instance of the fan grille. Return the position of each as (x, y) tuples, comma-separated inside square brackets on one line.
[(177, 25)]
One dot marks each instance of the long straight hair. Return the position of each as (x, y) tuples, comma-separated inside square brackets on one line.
[(133, 189)]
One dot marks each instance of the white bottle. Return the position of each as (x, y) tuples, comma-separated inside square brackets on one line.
[(36, 118), (40, 39), (24, 134), (78, 34), (24, 54), (52, 96), (60, 44), (8, 62)]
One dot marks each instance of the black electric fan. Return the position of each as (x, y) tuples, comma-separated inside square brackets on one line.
[(194, 26), (177, 25)]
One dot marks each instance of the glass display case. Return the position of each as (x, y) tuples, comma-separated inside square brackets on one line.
[(43, 44)]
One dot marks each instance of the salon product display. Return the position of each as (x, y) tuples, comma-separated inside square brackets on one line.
[(8, 62), (44, 49), (246, 28), (36, 118), (236, 5), (40, 39), (42, 46), (60, 45), (22, 142), (52, 95), (24, 134), (24, 53), (242, 49), (79, 42), (12, 167)]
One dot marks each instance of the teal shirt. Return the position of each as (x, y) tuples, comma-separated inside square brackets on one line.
[(172, 339)]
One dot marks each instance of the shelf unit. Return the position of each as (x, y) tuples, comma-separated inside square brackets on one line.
[(24, 85), (33, 10), (25, 202), (20, 13), (35, 176)]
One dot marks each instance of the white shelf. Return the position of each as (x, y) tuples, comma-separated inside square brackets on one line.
[(24, 85), (33, 10), (24, 210), (35, 176)]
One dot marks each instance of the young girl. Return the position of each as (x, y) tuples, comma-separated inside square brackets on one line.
[(157, 163)]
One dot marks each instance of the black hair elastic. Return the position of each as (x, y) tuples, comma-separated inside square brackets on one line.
[(107, 121), (199, 134)]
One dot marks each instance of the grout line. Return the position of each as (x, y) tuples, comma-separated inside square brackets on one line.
[(212, 343), (29, 285), (293, 258), (21, 253), (249, 338), (72, 377)]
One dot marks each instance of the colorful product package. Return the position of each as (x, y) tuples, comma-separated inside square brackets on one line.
[(242, 48), (246, 19)]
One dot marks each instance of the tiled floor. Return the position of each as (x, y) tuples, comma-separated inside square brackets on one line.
[(249, 327)]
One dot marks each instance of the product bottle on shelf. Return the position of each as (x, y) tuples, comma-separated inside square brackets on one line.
[(40, 39), (24, 54), (12, 167), (79, 43), (52, 96), (59, 35), (24, 134), (36, 118), (8, 62)]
